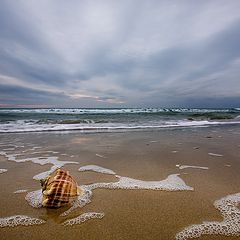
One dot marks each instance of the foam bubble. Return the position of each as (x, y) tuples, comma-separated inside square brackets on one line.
[(171, 183), (230, 226), (38, 160), (215, 154), (45, 174), (21, 191), (83, 218), (34, 198), (22, 220), (3, 170), (99, 155), (96, 168), (82, 200), (187, 166)]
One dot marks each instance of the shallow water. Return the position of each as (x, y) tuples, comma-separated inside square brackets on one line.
[(139, 158)]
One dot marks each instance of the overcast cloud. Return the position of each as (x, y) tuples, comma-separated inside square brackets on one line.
[(57, 53)]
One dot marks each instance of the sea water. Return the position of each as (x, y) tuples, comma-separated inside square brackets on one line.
[(228, 206), (95, 120)]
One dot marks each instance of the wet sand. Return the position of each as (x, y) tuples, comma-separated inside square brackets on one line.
[(145, 155)]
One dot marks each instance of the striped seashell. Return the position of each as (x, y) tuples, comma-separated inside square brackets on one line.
[(58, 189)]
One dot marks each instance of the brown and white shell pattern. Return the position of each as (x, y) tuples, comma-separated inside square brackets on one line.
[(59, 189)]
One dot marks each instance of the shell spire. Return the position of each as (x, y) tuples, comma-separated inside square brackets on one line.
[(59, 189)]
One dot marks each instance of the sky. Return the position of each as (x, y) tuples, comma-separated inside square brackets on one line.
[(57, 53)]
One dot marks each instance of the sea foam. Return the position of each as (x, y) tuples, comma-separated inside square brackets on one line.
[(230, 226), (2, 170), (99, 155), (187, 166), (81, 200), (34, 198), (38, 160), (215, 154), (96, 168), (21, 191), (171, 183), (22, 220), (83, 218), (45, 174)]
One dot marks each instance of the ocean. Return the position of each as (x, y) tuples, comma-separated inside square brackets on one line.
[(114, 119), (142, 173)]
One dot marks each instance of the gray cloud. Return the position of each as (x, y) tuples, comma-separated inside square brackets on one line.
[(112, 54)]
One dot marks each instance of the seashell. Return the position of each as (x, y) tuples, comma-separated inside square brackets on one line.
[(58, 189)]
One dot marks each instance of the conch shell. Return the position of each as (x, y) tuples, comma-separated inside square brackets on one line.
[(58, 189)]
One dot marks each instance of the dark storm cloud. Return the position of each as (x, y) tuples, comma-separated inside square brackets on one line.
[(26, 96), (105, 53)]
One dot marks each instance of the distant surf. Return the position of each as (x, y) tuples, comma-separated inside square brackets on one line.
[(97, 120)]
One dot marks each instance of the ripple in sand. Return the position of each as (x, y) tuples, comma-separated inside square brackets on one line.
[(96, 168), (22, 220), (230, 226), (83, 218), (3, 170)]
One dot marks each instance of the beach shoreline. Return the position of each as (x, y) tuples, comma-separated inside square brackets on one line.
[(143, 155)]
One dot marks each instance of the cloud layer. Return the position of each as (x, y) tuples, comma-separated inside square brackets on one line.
[(120, 53)]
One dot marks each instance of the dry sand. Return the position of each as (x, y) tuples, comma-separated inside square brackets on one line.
[(145, 155)]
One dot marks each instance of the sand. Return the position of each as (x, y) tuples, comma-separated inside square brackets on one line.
[(145, 155)]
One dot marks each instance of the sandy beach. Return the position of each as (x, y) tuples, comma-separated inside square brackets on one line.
[(210, 162), (119, 120)]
